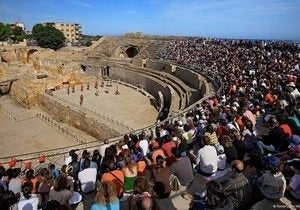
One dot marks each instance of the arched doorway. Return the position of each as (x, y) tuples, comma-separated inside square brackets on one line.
[(30, 52), (132, 51)]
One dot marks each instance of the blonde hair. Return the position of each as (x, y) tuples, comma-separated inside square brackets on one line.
[(130, 164), (106, 194)]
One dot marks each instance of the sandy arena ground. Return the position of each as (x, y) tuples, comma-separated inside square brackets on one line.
[(32, 135)]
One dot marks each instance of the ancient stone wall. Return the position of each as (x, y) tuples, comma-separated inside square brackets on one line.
[(151, 85), (63, 112), (189, 77)]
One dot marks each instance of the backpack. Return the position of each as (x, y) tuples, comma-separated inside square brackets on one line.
[(174, 183)]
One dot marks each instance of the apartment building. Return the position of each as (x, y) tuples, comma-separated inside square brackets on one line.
[(72, 31)]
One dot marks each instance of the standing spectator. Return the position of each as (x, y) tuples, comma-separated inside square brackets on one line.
[(106, 198)]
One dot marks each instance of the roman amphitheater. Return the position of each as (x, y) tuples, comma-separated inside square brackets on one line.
[(125, 89)]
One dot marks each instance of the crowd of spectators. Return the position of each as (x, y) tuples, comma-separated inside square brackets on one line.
[(249, 132)]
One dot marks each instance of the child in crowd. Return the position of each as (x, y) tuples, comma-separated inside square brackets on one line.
[(221, 158)]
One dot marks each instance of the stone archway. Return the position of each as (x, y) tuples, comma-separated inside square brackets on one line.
[(29, 53), (132, 51)]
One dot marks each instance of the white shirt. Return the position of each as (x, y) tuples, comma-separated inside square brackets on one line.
[(68, 160), (28, 204), (15, 185), (208, 159), (144, 146), (222, 161), (87, 178)]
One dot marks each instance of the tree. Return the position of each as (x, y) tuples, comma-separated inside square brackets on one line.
[(48, 36), (18, 33), (5, 32), (88, 43)]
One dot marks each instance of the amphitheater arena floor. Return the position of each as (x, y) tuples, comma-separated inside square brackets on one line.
[(33, 135)]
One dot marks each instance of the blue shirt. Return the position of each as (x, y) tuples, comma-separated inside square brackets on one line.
[(111, 206)]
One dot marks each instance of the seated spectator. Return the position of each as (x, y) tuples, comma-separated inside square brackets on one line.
[(3, 183), (272, 183), (229, 149), (29, 177), (161, 174), (168, 146), (60, 191), (142, 198), (74, 166), (294, 185), (67, 170), (87, 177), (130, 174), (185, 176), (238, 187), (238, 143), (14, 181), (207, 158), (106, 197), (221, 158), (155, 151), (211, 134), (115, 177), (216, 198), (96, 158), (143, 143), (54, 170), (28, 199), (46, 181), (141, 164), (8, 200)]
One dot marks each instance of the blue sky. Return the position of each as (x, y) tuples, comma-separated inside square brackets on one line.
[(253, 19)]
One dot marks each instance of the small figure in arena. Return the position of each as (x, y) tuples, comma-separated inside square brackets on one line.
[(81, 88), (96, 85), (68, 90), (88, 86), (97, 93), (81, 100), (102, 83), (73, 89)]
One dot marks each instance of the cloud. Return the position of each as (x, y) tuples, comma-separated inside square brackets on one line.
[(82, 4)]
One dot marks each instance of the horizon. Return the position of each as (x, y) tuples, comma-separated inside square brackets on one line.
[(233, 19)]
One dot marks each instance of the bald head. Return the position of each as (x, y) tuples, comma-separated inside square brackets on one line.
[(237, 166)]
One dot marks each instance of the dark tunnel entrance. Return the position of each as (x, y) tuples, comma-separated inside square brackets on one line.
[(132, 51)]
